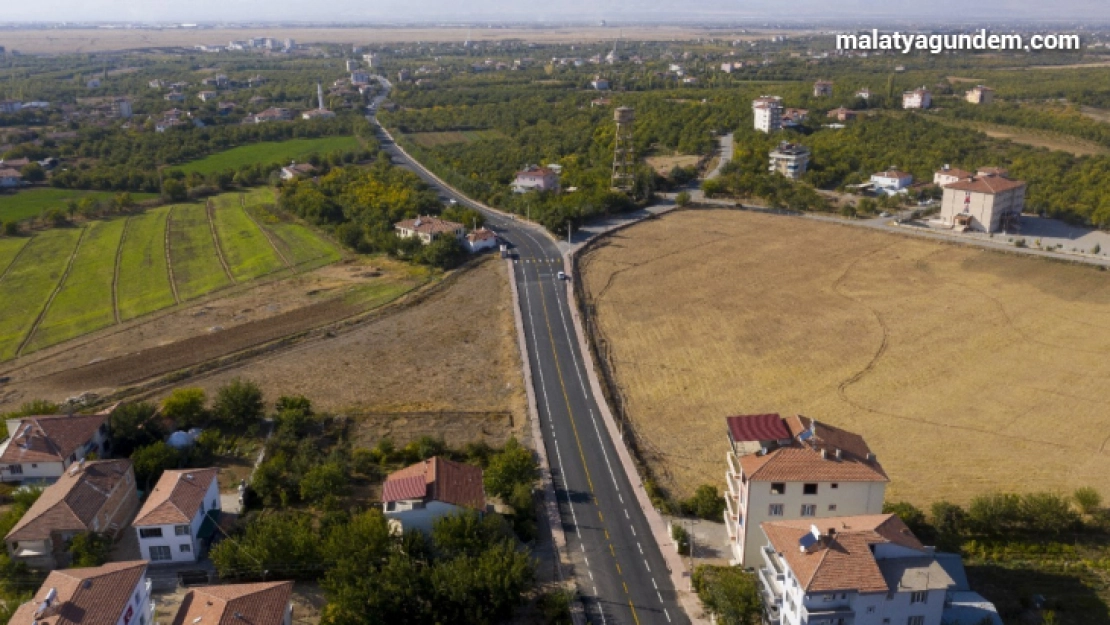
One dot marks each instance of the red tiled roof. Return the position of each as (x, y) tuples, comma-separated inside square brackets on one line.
[(952, 171), (236, 604), (72, 501), (840, 561), (757, 427), (51, 438), (92, 596), (986, 184), (428, 225), (892, 173), (802, 460), (8, 172), (450, 482), (481, 234), (176, 498)]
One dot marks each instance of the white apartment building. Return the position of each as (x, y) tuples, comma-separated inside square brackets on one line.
[(891, 180), (117, 592), (768, 113), (986, 202), (917, 99), (948, 175), (794, 468), (179, 516), (862, 570), (980, 95), (790, 160)]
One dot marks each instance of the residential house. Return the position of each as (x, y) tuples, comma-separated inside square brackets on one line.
[(599, 84), (121, 108), (987, 202), (360, 78), (93, 84), (864, 93), (352, 65), (265, 603), (297, 170), (41, 448), (428, 229), (174, 96), (767, 111), (822, 89), (419, 494), (794, 468), (117, 593), (948, 175), (867, 569), (842, 114), (223, 108), (9, 179), (273, 115), (318, 114), (179, 516), (980, 95), (917, 99), (480, 239), (207, 96), (790, 160), (535, 178), (97, 496), (794, 117), (10, 106), (891, 181)]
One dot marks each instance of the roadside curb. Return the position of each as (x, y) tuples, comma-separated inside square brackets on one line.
[(551, 505)]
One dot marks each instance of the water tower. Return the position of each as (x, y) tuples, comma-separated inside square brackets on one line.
[(623, 150)]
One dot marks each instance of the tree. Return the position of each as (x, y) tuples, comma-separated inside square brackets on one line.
[(294, 415), (11, 228), (186, 407), (445, 252), (468, 217), (511, 466), (948, 518), (706, 503), (729, 593), (151, 460), (682, 199), (1088, 499), (239, 404), (133, 426), (89, 549), (323, 480), (34, 407), (174, 190), (33, 172), (911, 515)]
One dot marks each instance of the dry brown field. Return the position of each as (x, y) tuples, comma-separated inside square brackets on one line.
[(664, 164), (63, 41), (967, 370)]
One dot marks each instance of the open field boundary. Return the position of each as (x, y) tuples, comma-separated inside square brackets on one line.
[(115, 273), (57, 289), (216, 240), (266, 233)]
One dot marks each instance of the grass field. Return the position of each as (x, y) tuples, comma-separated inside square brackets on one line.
[(31, 203), (196, 263), (966, 370), (84, 302), (1034, 137), (29, 283), (300, 246), (9, 248), (144, 284), (268, 152), (248, 252), (432, 139)]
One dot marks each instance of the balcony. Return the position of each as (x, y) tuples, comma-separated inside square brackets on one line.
[(771, 559), (733, 464), (834, 616), (732, 510), (771, 585)]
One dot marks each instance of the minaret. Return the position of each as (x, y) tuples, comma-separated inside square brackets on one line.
[(320, 95)]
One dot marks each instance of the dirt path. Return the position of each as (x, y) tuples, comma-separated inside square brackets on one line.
[(208, 208), (169, 257), (115, 275), (266, 233), (57, 288), (15, 259)]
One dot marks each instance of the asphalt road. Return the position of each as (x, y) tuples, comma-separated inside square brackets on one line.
[(619, 569)]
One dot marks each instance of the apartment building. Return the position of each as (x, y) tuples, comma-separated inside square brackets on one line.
[(980, 95), (985, 202), (768, 113), (917, 99), (794, 468), (822, 89), (790, 160)]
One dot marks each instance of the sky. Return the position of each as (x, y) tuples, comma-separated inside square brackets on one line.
[(548, 10)]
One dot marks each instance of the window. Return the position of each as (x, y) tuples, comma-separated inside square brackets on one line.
[(150, 532), (809, 510), (834, 485), (778, 488), (775, 510), (160, 553), (870, 609), (919, 597), (16, 469), (34, 466), (809, 489), (186, 548), (390, 506), (832, 507), (915, 620), (180, 530), (828, 597)]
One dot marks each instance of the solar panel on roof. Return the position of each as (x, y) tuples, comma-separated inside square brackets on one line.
[(807, 540), (805, 436)]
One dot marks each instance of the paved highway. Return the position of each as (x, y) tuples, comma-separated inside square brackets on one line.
[(618, 567)]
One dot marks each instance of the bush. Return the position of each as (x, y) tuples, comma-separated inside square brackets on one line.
[(911, 515), (323, 480), (133, 426), (682, 199), (555, 607), (1087, 499), (731, 594), (11, 228), (186, 407), (150, 461), (706, 503), (681, 538), (89, 549), (513, 465), (238, 404)]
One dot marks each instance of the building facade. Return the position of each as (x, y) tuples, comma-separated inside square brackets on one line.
[(767, 111), (917, 99), (179, 515), (421, 493), (535, 178), (793, 468), (42, 448), (983, 203), (822, 89), (790, 160), (428, 229), (980, 95), (891, 180)]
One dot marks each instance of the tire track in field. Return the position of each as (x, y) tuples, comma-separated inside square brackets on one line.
[(266, 233), (57, 289), (15, 258), (169, 259), (842, 388), (115, 275), (208, 210)]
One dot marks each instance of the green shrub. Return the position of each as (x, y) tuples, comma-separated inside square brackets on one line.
[(706, 503)]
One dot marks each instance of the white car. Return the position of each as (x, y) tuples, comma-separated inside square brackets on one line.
[(561, 275), (884, 214)]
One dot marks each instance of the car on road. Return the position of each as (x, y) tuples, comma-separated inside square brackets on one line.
[(562, 275), (884, 214)]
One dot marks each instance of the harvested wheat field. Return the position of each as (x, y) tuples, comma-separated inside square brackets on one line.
[(966, 370)]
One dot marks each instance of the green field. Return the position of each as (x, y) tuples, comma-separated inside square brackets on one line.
[(302, 247), (84, 302), (144, 284), (9, 248), (27, 287), (248, 252), (269, 152), (196, 264), (31, 203)]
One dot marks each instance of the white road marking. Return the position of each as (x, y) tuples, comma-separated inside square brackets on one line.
[(654, 584), (640, 547), (626, 514), (668, 614), (657, 594)]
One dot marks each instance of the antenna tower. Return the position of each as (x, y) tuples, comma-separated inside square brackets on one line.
[(623, 150)]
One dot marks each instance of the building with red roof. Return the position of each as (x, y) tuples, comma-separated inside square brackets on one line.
[(117, 592), (421, 493), (43, 447), (179, 516), (265, 603), (986, 202)]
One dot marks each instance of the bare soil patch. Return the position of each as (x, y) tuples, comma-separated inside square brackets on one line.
[(664, 164), (967, 370)]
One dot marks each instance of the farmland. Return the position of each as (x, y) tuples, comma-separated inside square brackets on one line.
[(269, 152), (957, 364), (122, 267), (32, 202), (433, 139)]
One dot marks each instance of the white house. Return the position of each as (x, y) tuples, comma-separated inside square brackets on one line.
[(864, 570), (822, 89), (864, 93), (428, 228), (794, 468), (297, 170), (265, 603), (179, 516), (481, 239), (986, 202), (9, 178), (599, 84), (117, 592), (917, 99), (891, 181), (948, 175), (42, 448), (534, 178), (419, 494), (767, 111), (980, 95)]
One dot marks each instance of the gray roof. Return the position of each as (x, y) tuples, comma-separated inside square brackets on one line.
[(916, 573)]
